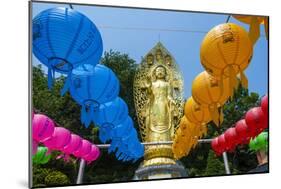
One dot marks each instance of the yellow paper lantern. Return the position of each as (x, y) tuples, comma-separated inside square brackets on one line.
[(211, 93), (226, 51), (196, 113), (248, 19), (254, 22), (186, 138)]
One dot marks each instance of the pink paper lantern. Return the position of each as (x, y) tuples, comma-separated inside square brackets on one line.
[(34, 147), (60, 138), (74, 144), (42, 127), (93, 155), (83, 150)]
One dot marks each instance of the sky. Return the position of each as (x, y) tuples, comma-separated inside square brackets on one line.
[(136, 31)]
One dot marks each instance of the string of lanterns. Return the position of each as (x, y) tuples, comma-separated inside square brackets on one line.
[(245, 130), (225, 53), (68, 42), (60, 139)]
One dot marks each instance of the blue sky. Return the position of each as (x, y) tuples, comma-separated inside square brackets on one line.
[(136, 31)]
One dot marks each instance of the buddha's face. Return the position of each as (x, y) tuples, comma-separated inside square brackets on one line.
[(160, 72)]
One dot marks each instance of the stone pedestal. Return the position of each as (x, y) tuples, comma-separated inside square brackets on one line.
[(160, 171)]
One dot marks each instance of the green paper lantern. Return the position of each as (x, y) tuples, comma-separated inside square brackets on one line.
[(260, 142), (40, 157)]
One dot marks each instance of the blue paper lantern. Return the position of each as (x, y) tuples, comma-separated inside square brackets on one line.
[(63, 39), (108, 116), (112, 113), (90, 87), (125, 142), (119, 132), (131, 148)]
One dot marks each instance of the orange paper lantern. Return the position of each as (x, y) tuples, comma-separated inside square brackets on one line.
[(226, 51)]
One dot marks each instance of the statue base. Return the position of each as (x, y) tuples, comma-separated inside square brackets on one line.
[(159, 163), (163, 171)]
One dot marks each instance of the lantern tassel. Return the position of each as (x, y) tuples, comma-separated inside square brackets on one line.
[(244, 80), (66, 85), (221, 116), (50, 78), (215, 115), (83, 112), (94, 113), (254, 32)]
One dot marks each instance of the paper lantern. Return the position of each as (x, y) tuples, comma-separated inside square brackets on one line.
[(210, 93), (113, 113), (41, 156), (260, 142), (42, 127), (130, 148), (34, 147), (63, 39), (196, 113), (256, 121), (60, 138), (254, 22), (109, 115), (74, 144), (226, 51), (91, 86), (231, 138), (84, 149), (264, 104), (136, 149), (186, 138), (93, 155), (264, 107), (222, 143), (242, 131), (120, 131), (248, 19), (125, 142), (215, 146)]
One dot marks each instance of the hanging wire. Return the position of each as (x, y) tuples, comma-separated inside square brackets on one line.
[(153, 29), (228, 18)]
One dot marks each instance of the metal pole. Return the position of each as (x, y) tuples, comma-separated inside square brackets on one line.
[(226, 166), (81, 172), (102, 146)]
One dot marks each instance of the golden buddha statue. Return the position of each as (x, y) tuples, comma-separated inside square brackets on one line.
[(160, 107), (158, 103)]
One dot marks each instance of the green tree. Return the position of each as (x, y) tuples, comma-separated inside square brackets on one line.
[(214, 165)]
